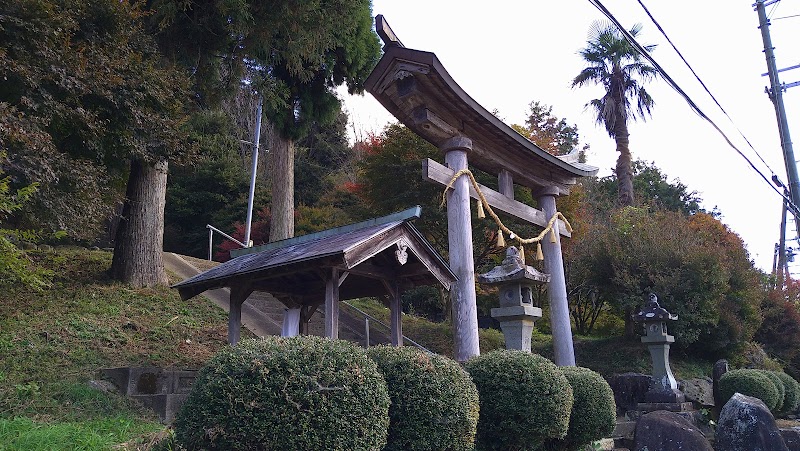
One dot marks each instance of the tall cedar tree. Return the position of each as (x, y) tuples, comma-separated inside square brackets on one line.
[(86, 102), (615, 64), (293, 53)]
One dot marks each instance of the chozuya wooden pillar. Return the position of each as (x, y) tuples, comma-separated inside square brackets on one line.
[(557, 288), (239, 294), (332, 304), (395, 311), (462, 293)]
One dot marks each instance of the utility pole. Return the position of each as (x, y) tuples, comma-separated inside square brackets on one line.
[(781, 263), (256, 138), (775, 92)]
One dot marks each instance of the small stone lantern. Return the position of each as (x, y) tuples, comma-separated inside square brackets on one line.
[(663, 387), (516, 314)]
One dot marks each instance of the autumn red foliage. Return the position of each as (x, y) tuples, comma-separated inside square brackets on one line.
[(259, 234)]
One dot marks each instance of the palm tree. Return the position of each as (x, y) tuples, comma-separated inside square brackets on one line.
[(617, 65)]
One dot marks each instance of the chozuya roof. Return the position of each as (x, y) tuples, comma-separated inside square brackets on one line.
[(415, 87), (387, 249)]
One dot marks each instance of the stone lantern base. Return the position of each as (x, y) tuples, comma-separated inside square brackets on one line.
[(517, 324)]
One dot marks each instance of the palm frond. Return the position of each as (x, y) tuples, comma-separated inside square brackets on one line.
[(619, 67)]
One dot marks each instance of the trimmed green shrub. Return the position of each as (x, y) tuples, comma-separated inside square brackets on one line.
[(773, 376), (791, 400), (524, 400), (434, 402), (286, 393), (594, 412), (749, 382)]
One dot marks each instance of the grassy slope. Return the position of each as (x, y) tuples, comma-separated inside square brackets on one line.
[(52, 343)]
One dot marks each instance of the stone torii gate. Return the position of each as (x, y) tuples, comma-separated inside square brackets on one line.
[(414, 86)]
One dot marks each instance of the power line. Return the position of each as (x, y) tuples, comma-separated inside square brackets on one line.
[(772, 11), (655, 22), (786, 17), (674, 85)]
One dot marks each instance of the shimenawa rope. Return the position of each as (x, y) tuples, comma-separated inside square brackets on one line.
[(501, 242)]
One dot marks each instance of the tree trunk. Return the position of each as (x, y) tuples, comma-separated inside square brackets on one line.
[(282, 183), (139, 240), (630, 325), (624, 165)]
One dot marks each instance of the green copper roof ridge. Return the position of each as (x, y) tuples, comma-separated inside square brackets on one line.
[(405, 215)]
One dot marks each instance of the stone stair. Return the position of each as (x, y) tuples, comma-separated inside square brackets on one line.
[(162, 390)]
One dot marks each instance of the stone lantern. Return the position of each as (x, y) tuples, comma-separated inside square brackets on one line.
[(663, 387), (516, 314)]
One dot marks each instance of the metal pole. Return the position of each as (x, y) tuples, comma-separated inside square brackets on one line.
[(210, 242), (225, 235), (776, 95), (366, 329), (257, 135), (782, 249)]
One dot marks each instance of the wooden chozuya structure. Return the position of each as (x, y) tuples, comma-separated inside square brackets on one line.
[(377, 258), (414, 86)]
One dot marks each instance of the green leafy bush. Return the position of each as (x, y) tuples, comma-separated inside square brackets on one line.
[(15, 265), (773, 376), (434, 401), (594, 413), (524, 400), (750, 382), (286, 393), (792, 398)]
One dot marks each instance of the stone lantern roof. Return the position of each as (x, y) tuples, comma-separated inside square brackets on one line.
[(513, 270), (654, 312)]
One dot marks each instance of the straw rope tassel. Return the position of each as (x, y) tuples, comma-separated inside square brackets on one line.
[(522, 253), (501, 242)]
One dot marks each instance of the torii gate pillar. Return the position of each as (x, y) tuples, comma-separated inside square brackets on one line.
[(459, 232), (557, 288)]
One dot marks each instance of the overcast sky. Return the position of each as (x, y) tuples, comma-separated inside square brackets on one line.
[(506, 54)]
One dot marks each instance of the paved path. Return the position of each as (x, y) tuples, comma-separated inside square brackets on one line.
[(253, 319)]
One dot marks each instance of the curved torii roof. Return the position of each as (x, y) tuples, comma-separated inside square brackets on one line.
[(415, 87)]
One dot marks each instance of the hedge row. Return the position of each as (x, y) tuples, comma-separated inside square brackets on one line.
[(316, 393), (779, 391)]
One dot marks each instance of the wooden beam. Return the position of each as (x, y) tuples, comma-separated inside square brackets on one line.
[(332, 304), (419, 250), (505, 184), (437, 173), (494, 158), (343, 277), (367, 249), (367, 269), (395, 311), (306, 312), (239, 294)]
